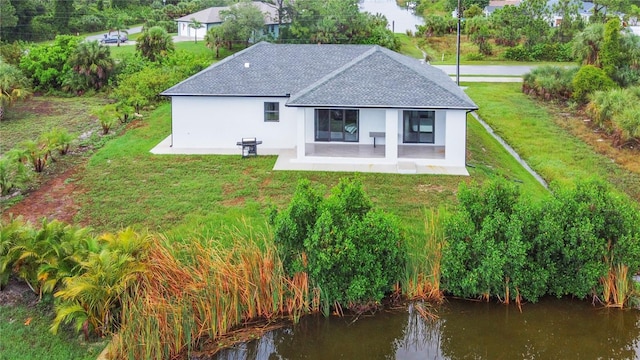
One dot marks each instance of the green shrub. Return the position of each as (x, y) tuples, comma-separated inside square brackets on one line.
[(354, 254), (578, 242), (485, 253), (539, 52), (588, 80)]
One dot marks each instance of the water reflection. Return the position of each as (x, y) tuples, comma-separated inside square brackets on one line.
[(400, 20), (551, 329)]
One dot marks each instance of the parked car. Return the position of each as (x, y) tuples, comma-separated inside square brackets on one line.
[(113, 38)]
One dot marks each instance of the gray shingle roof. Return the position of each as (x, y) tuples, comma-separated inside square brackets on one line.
[(328, 75)]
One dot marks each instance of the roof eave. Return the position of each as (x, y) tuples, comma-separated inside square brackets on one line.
[(437, 107)]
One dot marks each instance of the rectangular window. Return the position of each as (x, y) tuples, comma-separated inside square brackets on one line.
[(418, 126), (336, 125), (271, 111)]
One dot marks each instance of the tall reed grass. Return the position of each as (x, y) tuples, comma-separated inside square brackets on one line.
[(422, 274), (202, 290)]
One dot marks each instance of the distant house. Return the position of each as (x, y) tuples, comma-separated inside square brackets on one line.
[(499, 4), (211, 17), (324, 107), (585, 11)]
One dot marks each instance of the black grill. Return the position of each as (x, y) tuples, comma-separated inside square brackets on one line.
[(249, 146)]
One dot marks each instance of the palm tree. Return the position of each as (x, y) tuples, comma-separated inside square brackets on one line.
[(195, 25), (155, 43), (586, 46), (14, 86), (215, 39), (117, 24), (93, 62)]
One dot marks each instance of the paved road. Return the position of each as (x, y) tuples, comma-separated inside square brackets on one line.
[(487, 70)]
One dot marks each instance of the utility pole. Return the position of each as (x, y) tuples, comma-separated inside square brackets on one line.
[(459, 13)]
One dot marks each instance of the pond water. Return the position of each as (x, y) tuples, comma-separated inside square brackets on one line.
[(400, 19), (550, 329)]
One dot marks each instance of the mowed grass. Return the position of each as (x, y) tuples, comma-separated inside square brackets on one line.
[(24, 335), (533, 131), (123, 184), (29, 119), (191, 47)]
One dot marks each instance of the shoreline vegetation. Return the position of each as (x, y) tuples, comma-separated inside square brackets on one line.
[(213, 260)]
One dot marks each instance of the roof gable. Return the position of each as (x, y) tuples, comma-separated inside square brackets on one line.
[(328, 75)]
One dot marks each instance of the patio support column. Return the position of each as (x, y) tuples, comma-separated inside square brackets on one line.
[(391, 135), (301, 126), (456, 138)]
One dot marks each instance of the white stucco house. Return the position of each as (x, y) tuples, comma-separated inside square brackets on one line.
[(324, 107), (211, 17)]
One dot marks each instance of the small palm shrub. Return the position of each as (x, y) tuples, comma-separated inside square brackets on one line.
[(617, 112), (353, 253), (13, 173), (46, 255), (12, 233), (36, 153), (549, 82), (92, 299)]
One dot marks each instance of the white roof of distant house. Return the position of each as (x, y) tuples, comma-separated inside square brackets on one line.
[(501, 3), (212, 14)]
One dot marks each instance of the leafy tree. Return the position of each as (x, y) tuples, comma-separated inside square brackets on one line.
[(215, 39), (478, 29), (473, 11), (63, 10), (47, 64), (11, 52), (195, 25), (242, 23), (535, 27), (8, 17), (26, 12), (14, 86), (610, 55), (155, 43), (335, 22), (571, 21), (466, 4), (93, 63), (284, 10), (505, 24)]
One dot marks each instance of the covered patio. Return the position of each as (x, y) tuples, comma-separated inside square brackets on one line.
[(369, 151)]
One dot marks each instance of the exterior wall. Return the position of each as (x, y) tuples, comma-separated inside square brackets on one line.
[(185, 30), (219, 122)]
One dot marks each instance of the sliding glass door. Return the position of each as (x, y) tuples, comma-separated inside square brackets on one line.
[(336, 125), (419, 126)]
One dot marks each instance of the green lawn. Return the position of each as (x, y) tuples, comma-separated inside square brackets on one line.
[(126, 185), (27, 120), (24, 335), (548, 148)]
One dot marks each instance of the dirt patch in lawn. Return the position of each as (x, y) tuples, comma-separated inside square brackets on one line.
[(54, 199)]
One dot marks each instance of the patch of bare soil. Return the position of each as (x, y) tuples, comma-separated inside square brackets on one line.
[(53, 200), (17, 292)]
